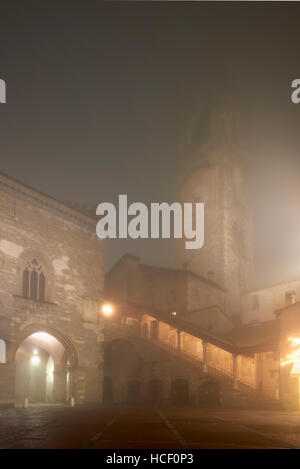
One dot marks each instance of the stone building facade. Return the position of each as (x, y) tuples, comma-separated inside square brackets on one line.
[(204, 309), (191, 296), (193, 335), (199, 356), (52, 283)]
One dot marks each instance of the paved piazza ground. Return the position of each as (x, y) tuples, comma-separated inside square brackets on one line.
[(129, 427)]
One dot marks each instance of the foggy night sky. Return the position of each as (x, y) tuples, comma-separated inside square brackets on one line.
[(99, 96)]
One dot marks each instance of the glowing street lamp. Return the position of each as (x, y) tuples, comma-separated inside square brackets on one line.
[(107, 309)]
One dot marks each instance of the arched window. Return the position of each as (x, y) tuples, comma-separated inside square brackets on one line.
[(42, 284), (34, 281), (2, 351)]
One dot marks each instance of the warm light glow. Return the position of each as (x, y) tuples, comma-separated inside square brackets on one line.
[(173, 313), (35, 360), (35, 352), (107, 309), (294, 357), (294, 340), (296, 369)]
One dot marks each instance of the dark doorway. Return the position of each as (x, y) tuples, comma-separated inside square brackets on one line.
[(154, 392), (108, 390), (133, 396), (180, 392), (209, 395), (154, 330), (145, 331)]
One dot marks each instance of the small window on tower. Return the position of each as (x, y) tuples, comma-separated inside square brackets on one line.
[(290, 297), (255, 302)]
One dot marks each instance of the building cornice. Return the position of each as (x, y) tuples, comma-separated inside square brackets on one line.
[(35, 197)]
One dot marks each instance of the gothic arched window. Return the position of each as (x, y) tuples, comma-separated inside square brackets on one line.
[(34, 281)]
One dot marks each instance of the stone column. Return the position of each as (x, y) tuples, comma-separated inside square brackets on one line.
[(178, 340), (235, 370), (60, 383), (258, 372), (7, 379), (204, 353), (71, 391), (88, 385)]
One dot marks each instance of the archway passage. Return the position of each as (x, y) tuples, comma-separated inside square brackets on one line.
[(108, 390), (154, 392), (133, 392), (180, 392), (209, 395), (121, 364), (42, 373)]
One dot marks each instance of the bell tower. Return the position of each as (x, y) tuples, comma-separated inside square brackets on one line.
[(214, 171)]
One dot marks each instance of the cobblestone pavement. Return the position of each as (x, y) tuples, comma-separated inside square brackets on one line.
[(133, 427)]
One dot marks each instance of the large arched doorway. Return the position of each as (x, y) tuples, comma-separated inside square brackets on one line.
[(180, 392), (133, 396), (209, 395), (154, 392), (122, 365), (108, 390), (42, 370)]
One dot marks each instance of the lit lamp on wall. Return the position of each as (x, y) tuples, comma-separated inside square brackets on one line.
[(107, 309), (35, 359)]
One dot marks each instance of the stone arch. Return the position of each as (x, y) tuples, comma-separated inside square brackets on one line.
[(209, 394), (133, 391), (108, 390), (41, 327), (154, 391), (37, 380), (180, 392), (48, 270), (121, 365)]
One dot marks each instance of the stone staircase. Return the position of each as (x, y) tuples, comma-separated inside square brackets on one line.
[(244, 397)]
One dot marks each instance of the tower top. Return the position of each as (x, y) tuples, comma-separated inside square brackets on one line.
[(210, 131)]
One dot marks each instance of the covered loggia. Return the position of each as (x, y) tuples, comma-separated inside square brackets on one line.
[(42, 370)]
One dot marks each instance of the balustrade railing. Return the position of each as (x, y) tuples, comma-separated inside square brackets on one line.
[(211, 369)]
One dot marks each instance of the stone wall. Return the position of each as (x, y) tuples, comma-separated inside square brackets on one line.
[(259, 305), (63, 242), (154, 287), (168, 291), (159, 378)]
